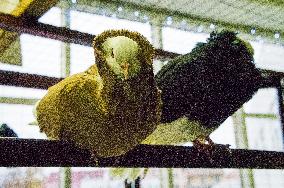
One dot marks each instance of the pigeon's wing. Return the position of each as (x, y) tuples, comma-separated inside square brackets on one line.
[(70, 100), (47, 114)]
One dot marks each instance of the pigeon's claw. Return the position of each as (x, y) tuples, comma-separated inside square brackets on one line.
[(209, 148), (203, 143)]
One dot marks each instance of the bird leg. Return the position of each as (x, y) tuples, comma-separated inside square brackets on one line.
[(203, 143), (94, 159), (207, 146)]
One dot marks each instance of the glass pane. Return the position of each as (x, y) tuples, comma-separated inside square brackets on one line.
[(20, 92), (269, 56), (18, 117), (225, 134), (39, 55), (52, 17), (179, 41), (265, 101), (157, 65), (264, 134), (7, 6), (268, 178), (82, 57), (94, 177), (188, 178), (14, 7), (95, 24)]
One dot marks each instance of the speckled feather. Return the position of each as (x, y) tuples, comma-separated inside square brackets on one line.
[(99, 112)]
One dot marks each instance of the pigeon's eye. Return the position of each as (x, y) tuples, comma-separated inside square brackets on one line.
[(112, 54)]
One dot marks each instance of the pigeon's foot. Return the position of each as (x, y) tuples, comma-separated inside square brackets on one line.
[(203, 144), (207, 146), (94, 159)]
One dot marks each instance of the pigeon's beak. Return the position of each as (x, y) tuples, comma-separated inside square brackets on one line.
[(125, 67)]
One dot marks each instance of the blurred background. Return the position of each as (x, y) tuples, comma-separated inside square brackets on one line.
[(172, 25)]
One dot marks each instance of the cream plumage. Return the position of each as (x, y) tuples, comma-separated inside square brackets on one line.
[(111, 107)]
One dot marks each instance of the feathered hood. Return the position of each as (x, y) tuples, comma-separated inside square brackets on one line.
[(145, 51)]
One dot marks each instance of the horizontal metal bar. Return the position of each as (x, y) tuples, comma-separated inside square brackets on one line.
[(280, 92), (29, 25), (270, 78), (27, 80), (165, 55), (268, 116), (12, 100), (33, 152), (36, 8), (12, 78)]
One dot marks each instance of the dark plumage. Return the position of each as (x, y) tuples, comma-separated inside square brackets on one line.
[(210, 83), (201, 89)]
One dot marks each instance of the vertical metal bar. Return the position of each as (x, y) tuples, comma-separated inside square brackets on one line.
[(240, 130), (156, 32), (239, 122), (161, 177), (157, 42), (67, 177), (170, 178), (65, 47), (65, 71), (280, 91), (157, 39)]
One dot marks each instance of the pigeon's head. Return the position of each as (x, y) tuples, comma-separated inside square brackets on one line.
[(123, 53), (233, 45)]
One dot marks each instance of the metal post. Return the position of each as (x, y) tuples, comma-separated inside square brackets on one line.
[(66, 175), (156, 32), (157, 41), (65, 47), (239, 122), (157, 38), (280, 90), (161, 177), (170, 178)]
